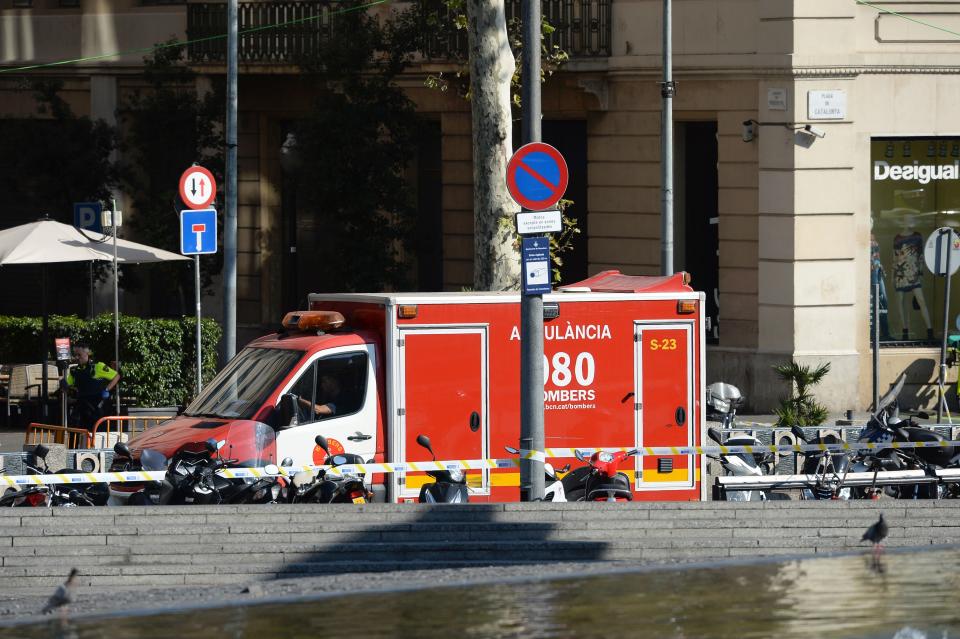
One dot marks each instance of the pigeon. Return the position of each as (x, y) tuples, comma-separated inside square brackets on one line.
[(63, 595), (876, 534)]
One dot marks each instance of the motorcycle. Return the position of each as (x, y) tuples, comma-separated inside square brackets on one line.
[(829, 470), (723, 400), (192, 472), (886, 426), (605, 482), (54, 494), (325, 487), (743, 465), (560, 485), (449, 485)]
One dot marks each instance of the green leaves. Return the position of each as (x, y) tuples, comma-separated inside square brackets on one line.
[(801, 409), (157, 356)]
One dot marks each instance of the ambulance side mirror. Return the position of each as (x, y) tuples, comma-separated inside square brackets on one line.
[(288, 410)]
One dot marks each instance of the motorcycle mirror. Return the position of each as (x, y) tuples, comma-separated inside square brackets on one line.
[(322, 443), (424, 441), (714, 434), (512, 450), (121, 448), (271, 469), (565, 469), (41, 451), (339, 460), (211, 445), (798, 433), (579, 455), (287, 461)]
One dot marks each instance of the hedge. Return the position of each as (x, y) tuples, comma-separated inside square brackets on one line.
[(157, 356)]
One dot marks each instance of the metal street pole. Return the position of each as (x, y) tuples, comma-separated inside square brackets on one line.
[(230, 223), (531, 306), (666, 145), (948, 234), (114, 220), (196, 284)]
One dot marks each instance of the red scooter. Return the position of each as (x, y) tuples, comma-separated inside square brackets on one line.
[(605, 481)]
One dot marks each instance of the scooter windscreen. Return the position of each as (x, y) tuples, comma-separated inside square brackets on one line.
[(251, 444)]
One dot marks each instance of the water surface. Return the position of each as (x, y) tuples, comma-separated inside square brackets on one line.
[(907, 595)]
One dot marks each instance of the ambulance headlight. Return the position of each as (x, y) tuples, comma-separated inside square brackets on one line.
[(456, 474), (605, 457)]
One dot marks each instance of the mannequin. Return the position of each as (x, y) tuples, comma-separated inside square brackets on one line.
[(877, 277), (908, 273)]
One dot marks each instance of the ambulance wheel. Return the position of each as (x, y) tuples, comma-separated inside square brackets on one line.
[(576, 495)]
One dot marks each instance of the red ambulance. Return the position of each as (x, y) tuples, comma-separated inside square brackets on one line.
[(623, 366)]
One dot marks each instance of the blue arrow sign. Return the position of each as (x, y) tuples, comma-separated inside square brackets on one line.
[(198, 232), (86, 216), (535, 254)]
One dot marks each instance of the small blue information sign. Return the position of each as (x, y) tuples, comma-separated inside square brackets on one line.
[(198, 232), (86, 216), (535, 253)]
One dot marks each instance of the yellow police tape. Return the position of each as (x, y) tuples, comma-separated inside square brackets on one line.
[(465, 464)]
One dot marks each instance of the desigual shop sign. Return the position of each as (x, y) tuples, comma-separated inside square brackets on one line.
[(922, 173)]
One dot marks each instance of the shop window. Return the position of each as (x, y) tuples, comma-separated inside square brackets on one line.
[(915, 189)]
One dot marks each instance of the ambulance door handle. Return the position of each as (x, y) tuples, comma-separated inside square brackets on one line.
[(474, 421), (359, 437), (680, 415)]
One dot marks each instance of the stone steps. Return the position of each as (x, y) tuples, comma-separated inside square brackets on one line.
[(235, 544)]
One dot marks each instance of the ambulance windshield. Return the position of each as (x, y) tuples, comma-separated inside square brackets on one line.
[(241, 388)]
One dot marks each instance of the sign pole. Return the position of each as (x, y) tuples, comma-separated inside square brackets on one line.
[(114, 222), (230, 219), (945, 234), (531, 305), (196, 283), (666, 145)]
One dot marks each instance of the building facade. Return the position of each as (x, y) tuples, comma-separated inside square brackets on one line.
[(816, 149)]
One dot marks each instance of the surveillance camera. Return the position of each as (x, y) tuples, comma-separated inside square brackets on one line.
[(814, 131), (748, 130)]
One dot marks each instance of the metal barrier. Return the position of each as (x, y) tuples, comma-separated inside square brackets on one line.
[(50, 434), (113, 428)]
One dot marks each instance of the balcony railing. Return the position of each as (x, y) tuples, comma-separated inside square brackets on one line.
[(582, 29)]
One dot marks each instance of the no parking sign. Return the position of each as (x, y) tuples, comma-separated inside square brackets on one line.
[(537, 176)]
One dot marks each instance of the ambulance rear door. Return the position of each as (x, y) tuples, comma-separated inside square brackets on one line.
[(443, 394), (665, 383)]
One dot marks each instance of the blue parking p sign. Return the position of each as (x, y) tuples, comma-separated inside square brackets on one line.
[(198, 232), (86, 216)]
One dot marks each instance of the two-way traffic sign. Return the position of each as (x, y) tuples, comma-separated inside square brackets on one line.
[(198, 232), (197, 187)]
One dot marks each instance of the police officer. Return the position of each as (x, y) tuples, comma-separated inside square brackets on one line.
[(93, 382)]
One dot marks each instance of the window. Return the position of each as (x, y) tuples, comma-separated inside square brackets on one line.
[(240, 389), (335, 386), (915, 189)]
